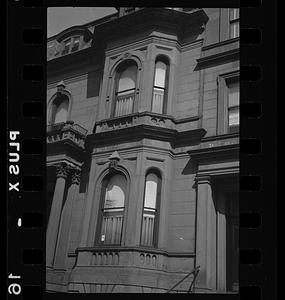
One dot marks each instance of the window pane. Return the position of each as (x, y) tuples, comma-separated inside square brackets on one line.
[(150, 190), (61, 112), (115, 192), (234, 116), (66, 46), (157, 102), (75, 46), (233, 92), (160, 72), (234, 30), (234, 13), (128, 79)]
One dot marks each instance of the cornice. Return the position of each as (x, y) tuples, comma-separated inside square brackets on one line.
[(219, 44), (214, 59), (219, 152), (136, 249), (145, 131)]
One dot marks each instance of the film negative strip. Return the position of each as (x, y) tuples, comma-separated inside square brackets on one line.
[(141, 149)]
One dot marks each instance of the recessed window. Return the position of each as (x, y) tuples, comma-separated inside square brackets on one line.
[(234, 22), (228, 103), (150, 209), (112, 212), (160, 87), (125, 90), (59, 110)]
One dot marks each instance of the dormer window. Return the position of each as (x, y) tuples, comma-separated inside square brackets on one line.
[(71, 45), (76, 42)]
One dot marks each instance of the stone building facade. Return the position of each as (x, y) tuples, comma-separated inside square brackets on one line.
[(143, 152)]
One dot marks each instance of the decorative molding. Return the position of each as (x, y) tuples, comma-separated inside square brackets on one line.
[(136, 249), (75, 176), (215, 153), (206, 61), (219, 44), (62, 170)]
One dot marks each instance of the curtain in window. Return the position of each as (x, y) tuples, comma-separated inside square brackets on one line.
[(126, 91), (61, 111), (159, 87), (150, 209), (113, 210)]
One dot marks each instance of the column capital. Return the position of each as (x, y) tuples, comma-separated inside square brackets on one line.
[(202, 179), (75, 175), (62, 170)]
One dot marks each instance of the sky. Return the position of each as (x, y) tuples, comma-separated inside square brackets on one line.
[(60, 18)]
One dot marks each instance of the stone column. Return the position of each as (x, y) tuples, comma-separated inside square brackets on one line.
[(54, 219), (66, 216), (206, 235)]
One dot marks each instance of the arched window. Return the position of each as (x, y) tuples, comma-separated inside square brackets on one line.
[(125, 89), (112, 211), (150, 209), (160, 86), (59, 110)]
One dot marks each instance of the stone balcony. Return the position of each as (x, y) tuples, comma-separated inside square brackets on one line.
[(66, 133), (66, 141), (127, 269), (147, 125)]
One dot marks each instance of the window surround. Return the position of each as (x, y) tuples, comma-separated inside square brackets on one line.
[(223, 81), (102, 183), (157, 172), (125, 58), (51, 105)]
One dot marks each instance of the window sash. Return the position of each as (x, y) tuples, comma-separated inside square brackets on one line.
[(75, 44), (234, 14), (148, 224), (112, 225), (158, 100), (234, 29), (124, 103), (66, 48), (233, 116)]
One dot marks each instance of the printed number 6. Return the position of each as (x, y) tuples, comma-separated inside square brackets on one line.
[(14, 288)]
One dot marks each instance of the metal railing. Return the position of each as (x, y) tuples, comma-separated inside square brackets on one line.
[(195, 274)]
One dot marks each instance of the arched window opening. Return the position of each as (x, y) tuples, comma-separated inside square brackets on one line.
[(150, 209), (114, 196), (60, 110), (125, 90), (160, 87)]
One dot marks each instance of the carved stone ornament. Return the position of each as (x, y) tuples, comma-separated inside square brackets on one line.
[(60, 86), (75, 176), (114, 159), (62, 170)]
